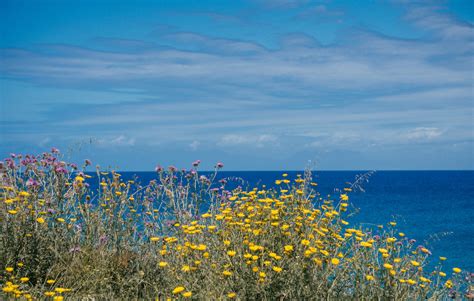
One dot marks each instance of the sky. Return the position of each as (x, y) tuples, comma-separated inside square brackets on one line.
[(255, 84)]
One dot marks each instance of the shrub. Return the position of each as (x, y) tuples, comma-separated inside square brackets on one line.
[(184, 235)]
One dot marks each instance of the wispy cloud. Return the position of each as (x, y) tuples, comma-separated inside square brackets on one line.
[(422, 134), (195, 90), (249, 140), (120, 140)]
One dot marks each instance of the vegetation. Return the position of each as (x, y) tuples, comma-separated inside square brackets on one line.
[(184, 235)]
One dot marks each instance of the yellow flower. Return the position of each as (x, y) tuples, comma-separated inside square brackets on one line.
[(448, 284), (415, 263), (12, 212), (289, 248), (61, 220), (442, 274), (442, 258), (178, 290), (335, 261), (262, 275), (425, 250), (369, 277), (388, 266), (456, 270), (187, 294), (62, 290), (24, 193), (49, 294), (366, 244), (227, 273), (154, 238), (231, 253), (9, 269), (58, 298), (277, 269), (40, 220), (186, 268), (201, 247), (50, 281), (305, 242), (231, 295), (423, 279), (163, 264), (24, 279), (324, 252)]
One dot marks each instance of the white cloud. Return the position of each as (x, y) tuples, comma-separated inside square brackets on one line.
[(120, 140), (194, 145), (252, 140), (422, 134)]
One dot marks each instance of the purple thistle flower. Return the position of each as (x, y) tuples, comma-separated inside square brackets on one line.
[(196, 163), (219, 165), (31, 183), (103, 239), (61, 170)]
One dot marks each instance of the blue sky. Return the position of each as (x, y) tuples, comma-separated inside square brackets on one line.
[(258, 85)]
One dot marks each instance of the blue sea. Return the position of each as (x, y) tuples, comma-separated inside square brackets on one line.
[(434, 207)]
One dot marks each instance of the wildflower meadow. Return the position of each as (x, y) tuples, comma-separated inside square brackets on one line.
[(185, 235)]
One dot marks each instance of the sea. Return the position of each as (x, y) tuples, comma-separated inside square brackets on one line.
[(436, 208)]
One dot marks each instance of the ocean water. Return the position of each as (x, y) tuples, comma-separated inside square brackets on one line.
[(434, 207)]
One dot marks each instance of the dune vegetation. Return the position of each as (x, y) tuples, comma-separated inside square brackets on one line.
[(75, 232)]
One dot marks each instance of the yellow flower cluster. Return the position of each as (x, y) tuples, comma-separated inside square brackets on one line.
[(250, 244)]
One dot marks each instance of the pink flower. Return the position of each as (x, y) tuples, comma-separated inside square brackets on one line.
[(219, 165)]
